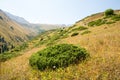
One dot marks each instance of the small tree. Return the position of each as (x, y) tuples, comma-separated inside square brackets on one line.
[(109, 12)]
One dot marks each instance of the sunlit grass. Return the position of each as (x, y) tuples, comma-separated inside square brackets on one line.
[(104, 63)]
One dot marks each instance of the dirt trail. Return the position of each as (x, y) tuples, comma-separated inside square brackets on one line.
[(17, 68)]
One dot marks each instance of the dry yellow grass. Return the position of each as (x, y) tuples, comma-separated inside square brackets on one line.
[(17, 68), (103, 44), (104, 47)]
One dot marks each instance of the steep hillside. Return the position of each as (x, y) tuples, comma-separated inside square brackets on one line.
[(17, 18), (25, 24), (35, 28), (11, 33), (16, 30), (98, 34)]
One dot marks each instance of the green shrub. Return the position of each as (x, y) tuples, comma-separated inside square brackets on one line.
[(109, 12), (97, 22), (85, 32), (92, 23), (57, 56), (80, 28), (13, 53), (5, 56), (110, 22), (116, 18), (20, 48), (74, 34)]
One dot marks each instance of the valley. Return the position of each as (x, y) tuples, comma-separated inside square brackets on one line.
[(16, 30), (97, 33)]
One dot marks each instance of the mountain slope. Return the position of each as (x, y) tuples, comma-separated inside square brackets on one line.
[(11, 33), (35, 28), (25, 24), (101, 41), (17, 18), (16, 30)]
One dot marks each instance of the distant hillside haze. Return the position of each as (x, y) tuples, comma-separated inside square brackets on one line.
[(24, 23), (49, 26), (17, 18), (36, 28)]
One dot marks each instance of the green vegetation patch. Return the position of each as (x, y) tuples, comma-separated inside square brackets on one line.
[(109, 12), (97, 22), (116, 18), (57, 56), (7, 55), (13, 53), (52, 39), (111, 22), (74, 34), (80, 28), (85, 32)]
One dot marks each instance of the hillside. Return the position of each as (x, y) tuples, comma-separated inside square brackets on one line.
[(98, 34), (34, 27), (11, 33), (16, 30), (25, 24)]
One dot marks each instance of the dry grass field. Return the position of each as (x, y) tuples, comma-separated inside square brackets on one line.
[(103, 44)]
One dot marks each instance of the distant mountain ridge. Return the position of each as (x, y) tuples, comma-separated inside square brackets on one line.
[(24, 23), (34, 27), (17, 18), (12, 33), (15, 30)]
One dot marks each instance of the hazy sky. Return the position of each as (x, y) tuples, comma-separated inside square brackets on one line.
[(56, 11)]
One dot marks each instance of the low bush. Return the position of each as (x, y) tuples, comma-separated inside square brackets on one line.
[(116, 18), (74, 34), (80, 28), (111, 22), (20, 48), (7, 55), (85, 32), (57, 56), (12, 53), (97, 22)]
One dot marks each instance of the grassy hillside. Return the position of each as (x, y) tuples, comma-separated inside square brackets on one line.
[(98, 34)]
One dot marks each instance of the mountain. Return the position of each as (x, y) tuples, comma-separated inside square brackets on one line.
[(98, 34), (15, 30), (24, 23), (12, 33), (17, 18), (36, 28)]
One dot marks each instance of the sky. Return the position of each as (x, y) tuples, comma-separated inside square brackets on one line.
[(56, 11)]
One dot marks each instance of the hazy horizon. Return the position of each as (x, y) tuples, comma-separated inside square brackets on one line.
[(56, 11)]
